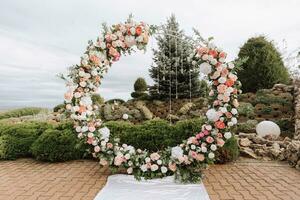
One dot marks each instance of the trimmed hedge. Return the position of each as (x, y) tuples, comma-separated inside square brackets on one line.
[(16, 140), (59, 143), (20, 112)]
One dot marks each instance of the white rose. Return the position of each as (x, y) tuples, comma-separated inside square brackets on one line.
[(204, 149), (211, 155), (90, 135), (164, 169), (227, 135), (94, 72), (132, 30), (84, 129), (129, 170), (86, 101), (78, 129), (77, 95), (127, 156), (147, 160), (105, 132), (81, 73), (176, 152), (213, 147), (82, 83), (144, 168), (140, 38), (129, 40), (223, 109), (154, 167), (222, 80), (159, 162), (193, 147), (205, 68), (212, 115), (234, 111), (234, 120), (213, 61), (130, 149), (230, 124), (230, 65)]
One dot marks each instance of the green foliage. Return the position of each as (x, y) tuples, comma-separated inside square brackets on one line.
[(264, 66), (246, 109), (140, 85), (97, 99), (247, 127), (269, 99), (15, 140), (56, 145), (229, 152), (111, 101), (154, 135), (20, 112), (59, 108)]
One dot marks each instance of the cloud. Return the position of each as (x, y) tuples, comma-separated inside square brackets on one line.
[(42, 38)]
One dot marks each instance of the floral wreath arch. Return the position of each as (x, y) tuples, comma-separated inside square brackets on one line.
[(186, 159)]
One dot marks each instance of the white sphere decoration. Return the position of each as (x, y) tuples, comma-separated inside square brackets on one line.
[(205, 68), (265, 128)]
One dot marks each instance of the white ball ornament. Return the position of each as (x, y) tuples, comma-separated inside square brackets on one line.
[(205, 68), (125, 116), (265, 128)]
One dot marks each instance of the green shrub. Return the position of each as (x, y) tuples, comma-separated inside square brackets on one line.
[(154, 134), (20, 112), (140, 95), (56, 145), (111, 101), (247, 127), (59, 108), (264, 66), (229, 152), (15, 140), (246, 109), (97, 99), (140, 85)]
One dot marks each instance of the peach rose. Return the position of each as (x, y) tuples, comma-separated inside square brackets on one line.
[(154, 156), (68, 96), (222, 55), (228, 114), (226, 98), (224, 72), (82, 109), (95, 59), (213, 53), (138, 30), (200, 157), (229, 82), (221, 88), (235, 103), (109, 145), (118, 160), (220, 142), (172, 167)]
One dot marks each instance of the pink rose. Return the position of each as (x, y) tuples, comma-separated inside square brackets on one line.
[(222, 55), (211, 93), (209, 139), (92, 128), (109, 145), (205, 132), (96, 149), (118, 160), (90, 140), (224, 72), (193, 154)]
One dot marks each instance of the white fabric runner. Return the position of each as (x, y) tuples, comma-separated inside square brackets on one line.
[(125, 187)]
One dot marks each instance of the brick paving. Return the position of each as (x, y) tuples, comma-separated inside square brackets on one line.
[(246, 179)]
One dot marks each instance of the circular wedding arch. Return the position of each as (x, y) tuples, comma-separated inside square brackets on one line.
[(185, 160)]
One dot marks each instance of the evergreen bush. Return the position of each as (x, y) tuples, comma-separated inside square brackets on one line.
[(264, 66)]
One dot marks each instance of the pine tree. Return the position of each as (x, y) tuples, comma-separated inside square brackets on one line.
[(172, 71)]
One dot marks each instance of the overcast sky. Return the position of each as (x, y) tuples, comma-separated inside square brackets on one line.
[(39, 39)]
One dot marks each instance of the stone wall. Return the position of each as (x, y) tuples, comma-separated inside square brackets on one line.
[(297, 109)]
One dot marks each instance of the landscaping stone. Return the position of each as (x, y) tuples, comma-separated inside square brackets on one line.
[(245, 142)]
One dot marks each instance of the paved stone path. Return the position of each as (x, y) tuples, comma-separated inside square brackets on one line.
[(27, 179)]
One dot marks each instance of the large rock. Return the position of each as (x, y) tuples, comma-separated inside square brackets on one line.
[(265, 128), (245, 142), (144, 110), (186, 108), (246, 151)]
